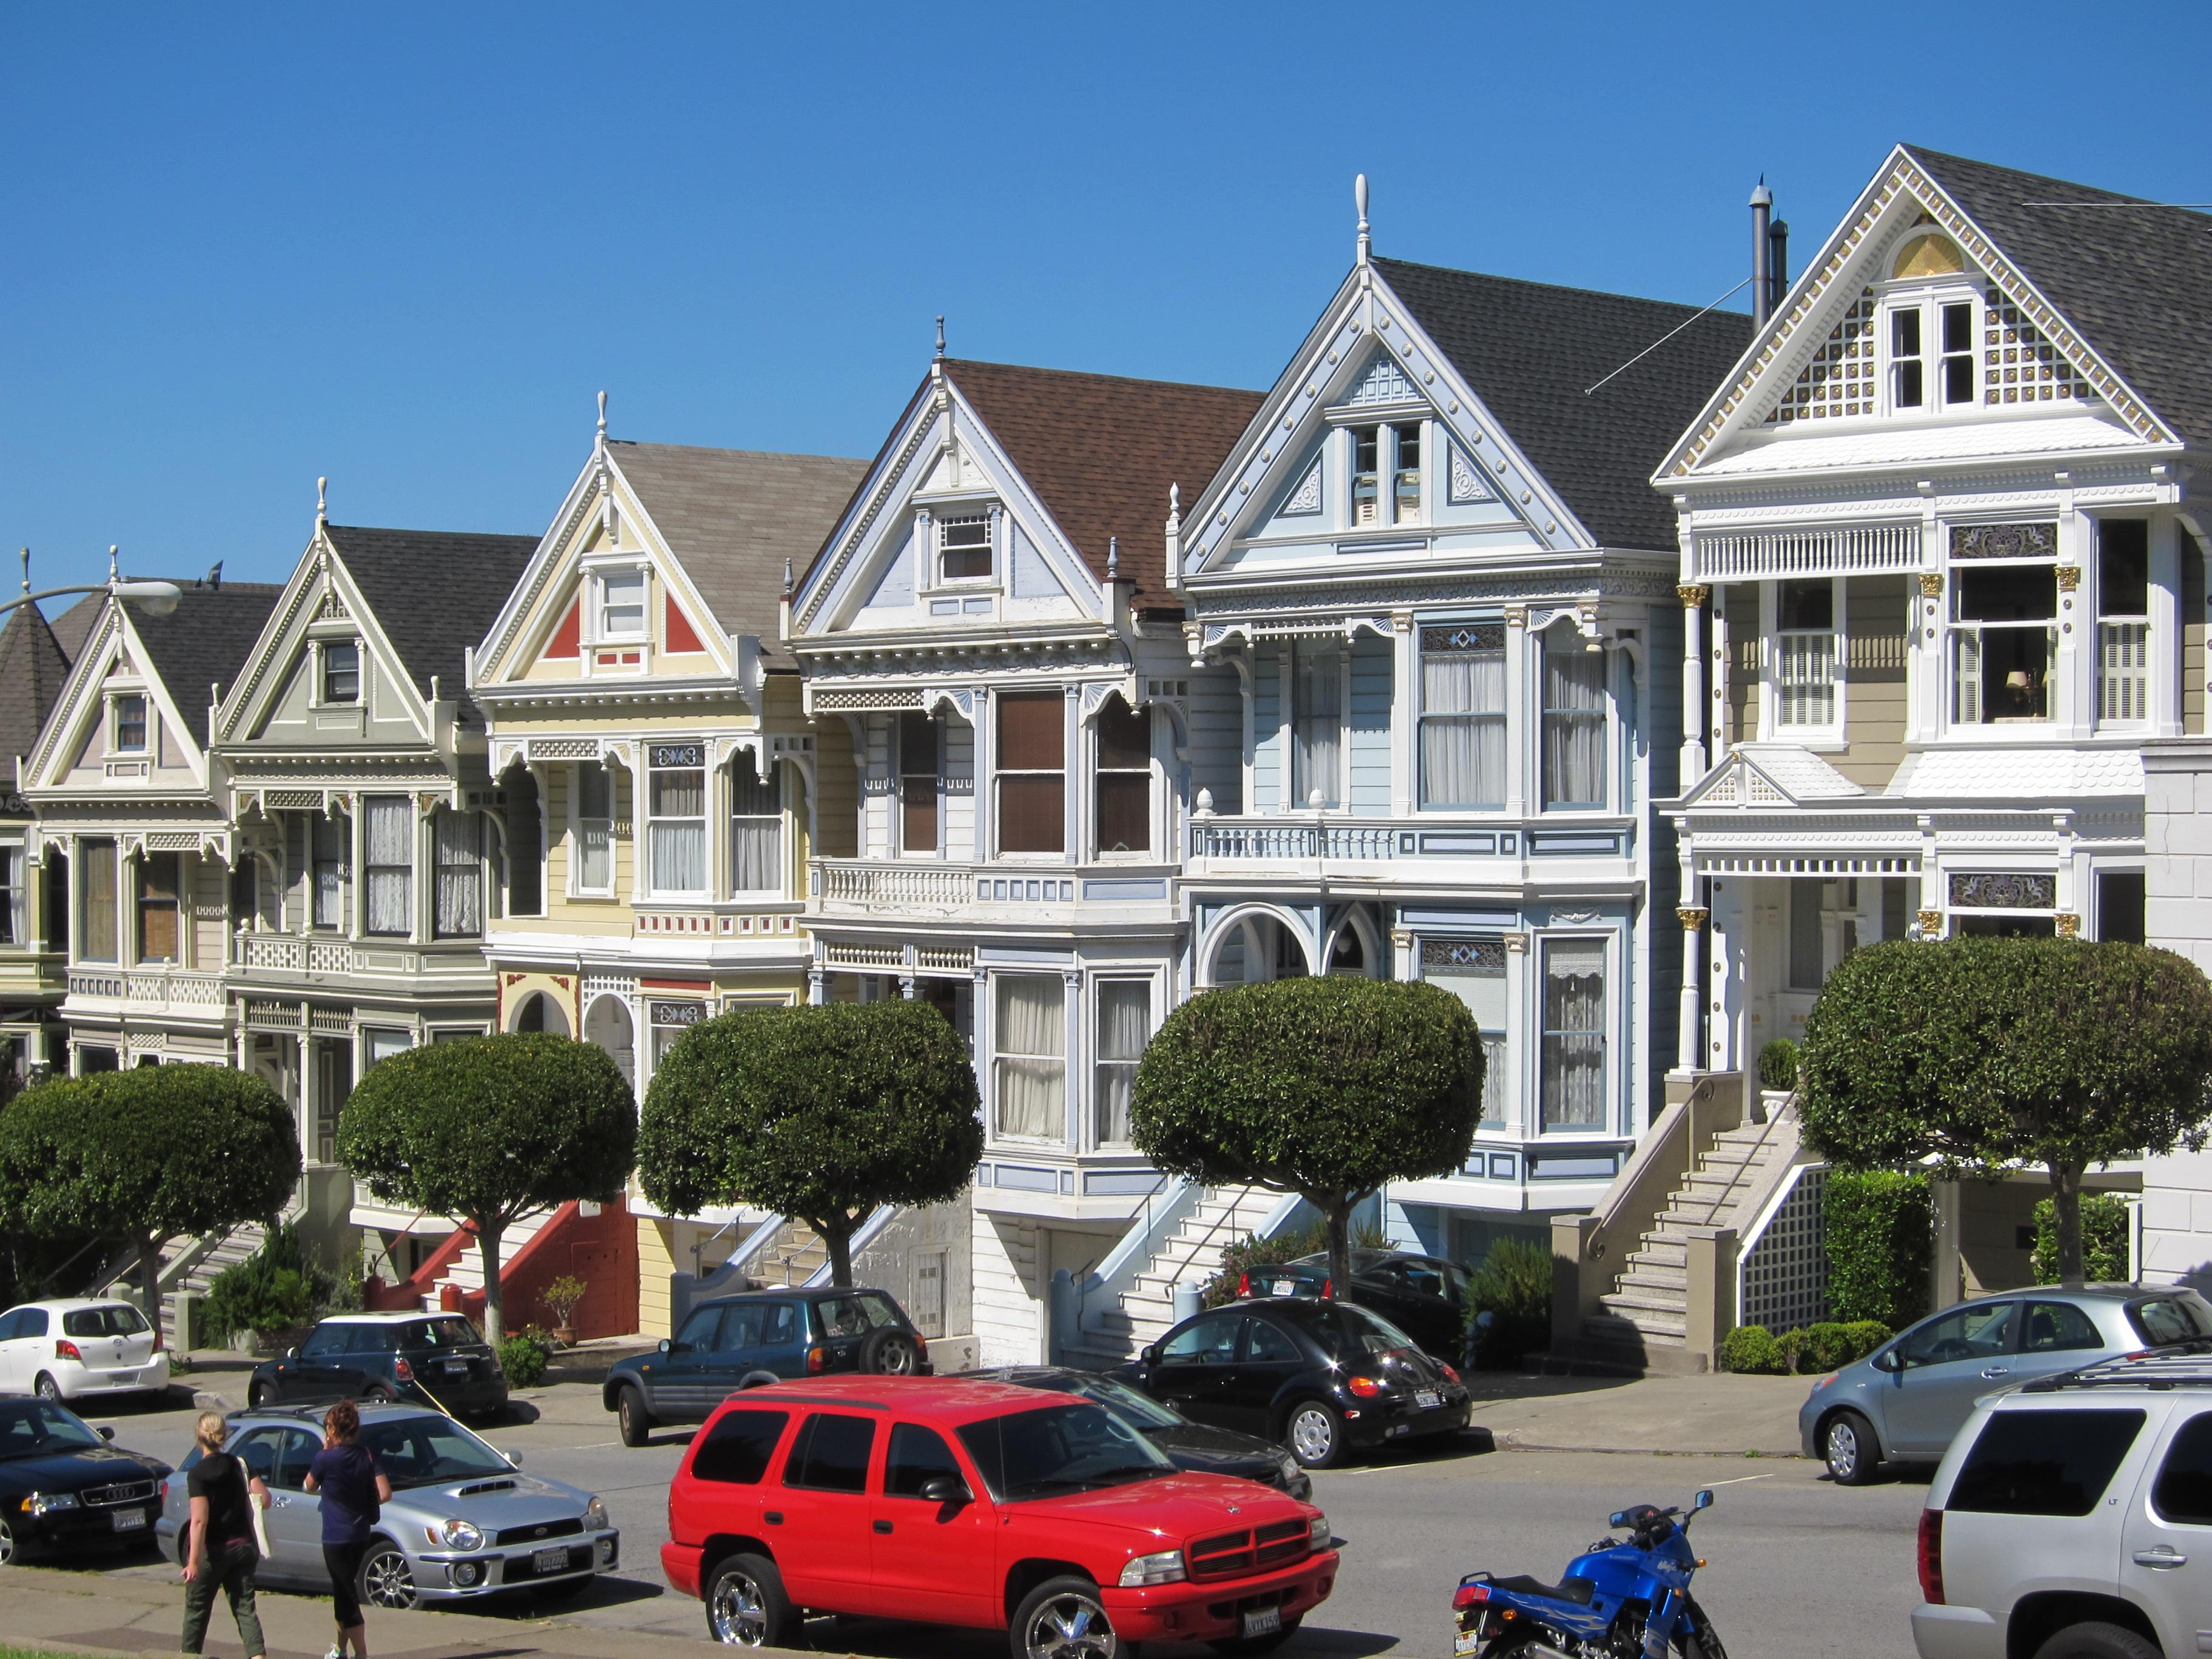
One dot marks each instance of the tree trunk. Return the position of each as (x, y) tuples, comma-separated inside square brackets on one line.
[(2066, 1212), (149, 1279), (1336, 1210), (837, 1237), (488, 1234)]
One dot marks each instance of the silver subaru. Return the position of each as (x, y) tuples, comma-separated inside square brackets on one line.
[(464, 1521)]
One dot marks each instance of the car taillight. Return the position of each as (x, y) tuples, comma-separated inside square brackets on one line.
[(921, 1346), (1931, 1557), (1364, 1387), (403, 1371), (817, 1359), (1327, 1289), (157, 1338), (1467, 1595), (1450, 1371), (65, 1349), (1243, 1285)]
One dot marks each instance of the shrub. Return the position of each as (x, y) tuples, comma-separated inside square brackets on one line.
[(1751, 1350), (1831, 1344), (1514, 1286), (562, 1297), (1881, 1234), (2104, 1240), (523, 1358), (1778, 1065), (278, 1286), (1251, 1251)]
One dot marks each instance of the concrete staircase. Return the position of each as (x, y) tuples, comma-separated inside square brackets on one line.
[(1114, 1329), (794, 1255), (201, 1260), (467, 1270)]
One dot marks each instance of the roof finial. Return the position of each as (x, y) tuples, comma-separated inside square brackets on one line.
[(786, 578), (603, 413), (1112, 558), (322, 502), (26, 573), (1360, 200), (940, 337), (112, 576)]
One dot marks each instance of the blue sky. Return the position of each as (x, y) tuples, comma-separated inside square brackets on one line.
[(404, 245)]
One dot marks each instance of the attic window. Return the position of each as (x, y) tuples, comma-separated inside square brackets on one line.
[(341, 671), (621, 605), (964, 547), (1394, 450), (130, 724), (1932, 343)]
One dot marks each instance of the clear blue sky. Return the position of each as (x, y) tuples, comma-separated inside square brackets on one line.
[(404, 245)]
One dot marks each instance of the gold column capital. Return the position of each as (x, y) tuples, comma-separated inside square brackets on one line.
[(1693, 594), (1931, 924), (2069, 925), (1693, 917)]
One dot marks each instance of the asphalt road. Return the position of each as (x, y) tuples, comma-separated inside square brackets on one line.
[(1798, 1567)]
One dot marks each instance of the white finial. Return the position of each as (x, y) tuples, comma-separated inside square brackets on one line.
[(1112, 558), (1175, 500), (603, 413), (111, 562), (322, 501), (1360, 200), (1314, 799), (1174, 573), (786, 578), (26, 573), (940, 337)]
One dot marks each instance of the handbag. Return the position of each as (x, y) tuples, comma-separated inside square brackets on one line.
[(254, 1510)]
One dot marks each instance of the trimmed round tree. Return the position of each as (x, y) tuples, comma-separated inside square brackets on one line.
[(823, 1113), (1989, 1054), (1322, 1087), (491, 1129), (144, 1155)]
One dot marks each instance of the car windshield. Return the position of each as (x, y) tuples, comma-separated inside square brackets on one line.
[(1077, 1447), (32, 1428), (430, 1451), (1118, 1398), (2165, 1319), (442, 1333), (117, 1319), (1349, 1334)]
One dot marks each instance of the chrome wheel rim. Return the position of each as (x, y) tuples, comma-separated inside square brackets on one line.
[(1843, 1450), (7, 1544), (1312, 1434), (1070, 1626), (387, 1582), (898, 1358), (48, 1390), (739, 1613)]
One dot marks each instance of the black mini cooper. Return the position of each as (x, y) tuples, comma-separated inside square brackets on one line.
[(429, 1359)]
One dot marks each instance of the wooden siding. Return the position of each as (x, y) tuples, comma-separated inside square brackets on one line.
[(837, 788), (1267, 731), (1877, 620), (1368, 742), (1741, 602), (2192, 634)]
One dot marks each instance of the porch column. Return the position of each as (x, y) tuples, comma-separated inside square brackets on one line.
[(2165, 664), (1686, 1041), (1694, 597), (1521, 721)]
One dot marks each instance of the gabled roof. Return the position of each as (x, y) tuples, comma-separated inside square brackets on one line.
[(2136, 281), (1100, 452), (1771, 775), (733, 516), (434, 591), (203, 642), (33, 666), (1529, 349), (75, 625)]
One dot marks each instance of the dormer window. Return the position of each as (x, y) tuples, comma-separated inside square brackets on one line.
[(1389, 452), (1406, 472), (130, 724), (1366, 452), (341, 671), (1949, 325), (621, 605), (964, 547)]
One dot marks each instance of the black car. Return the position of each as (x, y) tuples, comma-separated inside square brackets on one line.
[(1320, 1377), (63, 1487), (431, 1359), (1423, 1295), (1202, 1447), (759, 1336)]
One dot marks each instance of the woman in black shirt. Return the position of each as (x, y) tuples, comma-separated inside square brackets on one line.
[(221, 1550)]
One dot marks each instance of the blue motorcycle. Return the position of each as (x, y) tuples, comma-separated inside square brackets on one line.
[(1619, 1600)]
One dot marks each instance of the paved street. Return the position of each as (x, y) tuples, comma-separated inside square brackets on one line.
[(1799, 1567)]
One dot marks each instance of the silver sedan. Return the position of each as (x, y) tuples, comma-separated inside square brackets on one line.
[(464, 1522)]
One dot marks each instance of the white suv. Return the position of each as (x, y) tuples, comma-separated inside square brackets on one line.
[(71, 1350), (2072, 1519)]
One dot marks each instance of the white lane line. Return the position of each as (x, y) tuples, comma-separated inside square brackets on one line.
[(1740, 1479)]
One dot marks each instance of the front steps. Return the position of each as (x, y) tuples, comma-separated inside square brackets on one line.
[(1189, 1254)]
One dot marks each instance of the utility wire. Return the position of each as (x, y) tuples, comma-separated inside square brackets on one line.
[(1671, 333)]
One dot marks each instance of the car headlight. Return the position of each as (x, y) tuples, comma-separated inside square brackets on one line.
[(462, 1534), (46, 1503), (1317, 1535), (1165, 1567), (595, 1517)]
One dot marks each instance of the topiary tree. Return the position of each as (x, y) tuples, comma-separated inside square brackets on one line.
[(1993, 1053), (140, 1156), (1322, 1087), (824, 1113), (491, 1129)]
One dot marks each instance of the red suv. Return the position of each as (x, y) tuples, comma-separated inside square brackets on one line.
[(952, 1501)]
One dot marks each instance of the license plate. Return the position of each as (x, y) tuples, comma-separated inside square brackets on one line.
[(1466, 1641), (1262, 1621), (1428, 1400), (123, 1376), (545, 1561), (129, 1520), (457, 1368)]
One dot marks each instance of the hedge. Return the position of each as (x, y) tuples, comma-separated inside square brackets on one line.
[(2104, 1240), (1825, 1346), (1778, 1065), (1881, 1235)]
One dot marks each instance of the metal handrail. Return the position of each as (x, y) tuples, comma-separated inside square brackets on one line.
[(1766, 1131)]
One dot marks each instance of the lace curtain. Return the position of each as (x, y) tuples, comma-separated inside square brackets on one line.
[(457, 901), (1317, 727), (594, 827), (330, 835), (1574, 1036), (1032, 1064), (755, 829), (388, 826), (678, 834), (1574, 728), (1462, 718), (1124, 1012)]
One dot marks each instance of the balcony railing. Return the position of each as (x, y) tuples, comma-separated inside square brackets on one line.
[(294, 957), (891, 886), (149, 990), (1278, 842)]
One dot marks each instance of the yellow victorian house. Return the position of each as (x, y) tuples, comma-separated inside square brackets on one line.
[(635, 680)]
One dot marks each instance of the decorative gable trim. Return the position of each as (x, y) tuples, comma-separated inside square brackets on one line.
[(83, 698), (824, 579)]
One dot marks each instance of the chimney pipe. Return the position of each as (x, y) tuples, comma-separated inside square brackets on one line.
[(1762, 277), (1777, 243)]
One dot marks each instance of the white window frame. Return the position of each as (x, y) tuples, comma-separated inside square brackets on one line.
[(1095, 1101), (596, 611), (1608, 720), (115, 744), (321, 697), (1149, 852), (652, 883), (2058, 689), (1502, 717), (15, 887), (1928, 297), (2142, 645), (1057, 1136), (1816, 733), (1541, 946), (1336, 798), (770, 773), (579, 822), (901, 772), (984, 512)]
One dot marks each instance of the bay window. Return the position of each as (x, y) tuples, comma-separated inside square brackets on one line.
[(918, 740), (1473, 970), (1316, 722), (594, 814), (1572, 1089), (1124, 778), (1805, 654), (328, 852), (2005, 639), (457, 907), (1462, 718), (388, 862), (1032, 780), (756, 828), (1031, 1067), (2122, 621), (158, 893), (1574, 727), (96, 913), (676, 817), (1124, 1024)]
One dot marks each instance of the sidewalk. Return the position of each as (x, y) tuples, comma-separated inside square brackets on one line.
[(1718, 1414)]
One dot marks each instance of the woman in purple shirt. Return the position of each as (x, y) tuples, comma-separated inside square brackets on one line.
[(345, 1476)]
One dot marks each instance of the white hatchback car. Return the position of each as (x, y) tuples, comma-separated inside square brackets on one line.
[(2072, 1518), (80, 1349)]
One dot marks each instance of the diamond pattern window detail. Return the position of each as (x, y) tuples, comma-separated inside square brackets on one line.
[(1840, 379), (2020, 365)]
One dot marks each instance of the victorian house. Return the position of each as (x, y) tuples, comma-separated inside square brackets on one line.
[(638, 695)]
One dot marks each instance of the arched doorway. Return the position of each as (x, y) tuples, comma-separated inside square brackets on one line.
[(1355, 947), (607, 1023), (539, 1012), (1254, 948)]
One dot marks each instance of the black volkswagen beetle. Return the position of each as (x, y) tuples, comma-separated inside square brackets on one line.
[(61, 1485), (1202, 1447)]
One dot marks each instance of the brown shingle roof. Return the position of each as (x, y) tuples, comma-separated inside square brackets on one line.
[(74, 626), (32, 668), (1101, 450)]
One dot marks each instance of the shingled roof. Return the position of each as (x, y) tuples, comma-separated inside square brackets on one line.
[(434, 591), (1529, 349), (75, 625), (733, 516), (203, 642), (1101, 450), (2137, 283), (33, 666)]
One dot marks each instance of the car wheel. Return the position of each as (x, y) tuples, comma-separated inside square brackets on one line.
[(9, 1550), (1848, 1445), (378, 1395), (890, 1351), (1064, 1618), (257, 1395), (1315, 1435), (386, 1580), (1245, 1647), (631, 1417), (2097, 1642), (48, 1389), (746, 1607)]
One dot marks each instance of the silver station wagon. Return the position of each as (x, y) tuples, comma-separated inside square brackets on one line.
[(464, 1522)]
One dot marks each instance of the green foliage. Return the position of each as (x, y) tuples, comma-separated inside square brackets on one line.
[(1824, 1346), (821, 1112), (1995, 1054), (1880, 1230), (278, 1286), (562, 1296), (1514, 1286), (1241, 1255), (524, 1357), (2104, 1240), (1324, 1087), (1778, 1065), (1753, 1349)]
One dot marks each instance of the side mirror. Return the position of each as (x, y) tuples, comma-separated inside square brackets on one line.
[(1151, 1355), (1618, 1518), (1703, 1500), (666, 1346), (1889, 1359), (946, 1489), (291, 1353), (107, 1434), (516, 1458)]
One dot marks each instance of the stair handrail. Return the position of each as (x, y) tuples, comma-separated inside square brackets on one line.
[(1774, 1119), (1199, 1247), (868, 1232), (1174, 1195)]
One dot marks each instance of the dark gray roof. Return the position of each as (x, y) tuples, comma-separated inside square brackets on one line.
[(436, 592), (74, 626), (1529, 349), (2137, 284), (203, 642), (733, 516), (33, 666)]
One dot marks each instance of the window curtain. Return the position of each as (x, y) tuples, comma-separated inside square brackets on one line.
[(1574, 728), (330, 837), (1473, 970), (96, 894), (459, 908), (1032, 1065), (1317, 721), (755, 829), (1574, 1036), (594, 827), (11, 897), (1462, 718), (388, 824), (678, 831), (1124, 1012), (158, 888)]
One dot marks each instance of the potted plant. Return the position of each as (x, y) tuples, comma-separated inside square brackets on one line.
[(560, 1299), (1778, 1076)]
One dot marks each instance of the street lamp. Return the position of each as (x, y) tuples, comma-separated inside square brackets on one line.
[(160, 598)]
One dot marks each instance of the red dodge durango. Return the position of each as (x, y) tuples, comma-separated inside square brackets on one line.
[(951, 1502)]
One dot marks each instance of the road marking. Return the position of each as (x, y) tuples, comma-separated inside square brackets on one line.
[(1740, 1479)]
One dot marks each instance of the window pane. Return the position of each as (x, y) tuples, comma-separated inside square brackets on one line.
[(737, 1449), (918, 767), (2058, 1327), (1574, 1036), (2124, 567), (341, 671), (458, 911), (623, 603), (679, 855), (1032, 815), (755, 829), (679, 795), (594, 827), (157, 908), (1462, 731), (2002, 593), (1807, 948), (388, 827), (1125, 736), (1317, 721), (330, 837), (1473, 970), (965, 545), (1032, 1046), (1125, 813), (1808, 604), (2054, 1462), (917, 1456), (836, 1454), (1574, 728), (1032, 737), (96, 885), (1125, 1015)]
